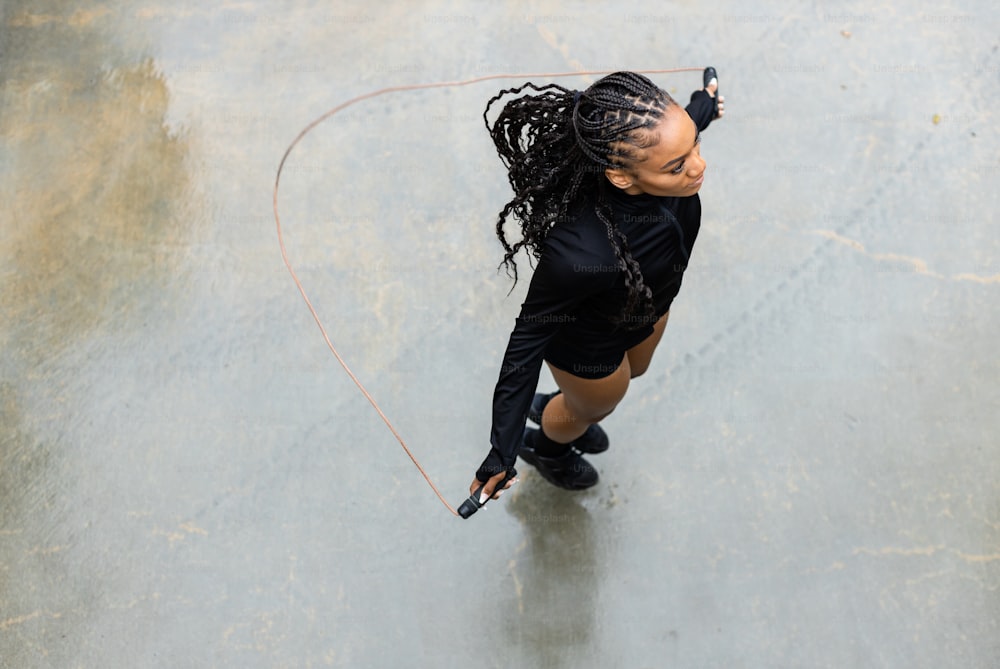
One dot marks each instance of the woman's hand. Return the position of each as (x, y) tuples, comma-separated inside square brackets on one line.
[(491, 484), (712, 87)]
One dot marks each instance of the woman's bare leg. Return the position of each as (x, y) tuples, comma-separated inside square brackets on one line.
[(640, 355), (582, 402)]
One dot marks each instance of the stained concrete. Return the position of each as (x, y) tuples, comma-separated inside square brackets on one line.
[(806, 478)]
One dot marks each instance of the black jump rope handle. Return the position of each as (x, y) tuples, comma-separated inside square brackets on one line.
[(471, 505)]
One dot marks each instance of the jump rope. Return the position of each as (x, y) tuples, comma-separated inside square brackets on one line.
[(474, 502)]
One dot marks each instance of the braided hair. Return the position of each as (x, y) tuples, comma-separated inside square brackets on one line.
[(556, 146)]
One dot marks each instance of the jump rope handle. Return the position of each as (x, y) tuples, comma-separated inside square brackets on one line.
[(471, 505)]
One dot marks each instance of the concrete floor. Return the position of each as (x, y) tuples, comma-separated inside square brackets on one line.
[(808, 477)]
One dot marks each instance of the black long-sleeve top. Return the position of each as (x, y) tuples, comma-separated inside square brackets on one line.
[(578, 287)]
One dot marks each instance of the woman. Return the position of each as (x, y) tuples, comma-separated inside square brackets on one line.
[(606, 193)]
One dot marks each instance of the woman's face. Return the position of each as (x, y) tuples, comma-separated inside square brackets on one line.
[(672, 167)]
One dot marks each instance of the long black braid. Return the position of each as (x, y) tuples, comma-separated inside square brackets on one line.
[(556, 146)]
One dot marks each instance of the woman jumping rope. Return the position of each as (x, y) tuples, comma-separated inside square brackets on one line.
[(605, 187)]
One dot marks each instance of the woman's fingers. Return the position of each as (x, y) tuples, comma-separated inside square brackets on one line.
[(495, 481), (509, 484), (490, 487)]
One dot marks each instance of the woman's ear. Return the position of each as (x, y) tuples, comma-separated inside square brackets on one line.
[(618, 178)]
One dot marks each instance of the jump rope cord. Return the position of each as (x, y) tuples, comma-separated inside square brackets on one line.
[(355, 100)]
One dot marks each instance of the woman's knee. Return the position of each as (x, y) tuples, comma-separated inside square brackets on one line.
[(639, 371), (589, 412), (598, 419), (593, 406)]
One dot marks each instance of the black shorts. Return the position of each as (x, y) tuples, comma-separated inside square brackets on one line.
[(595, 364)]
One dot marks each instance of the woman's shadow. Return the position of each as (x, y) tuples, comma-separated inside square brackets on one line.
[(555, 572)]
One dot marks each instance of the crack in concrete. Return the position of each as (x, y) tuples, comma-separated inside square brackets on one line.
[(20, 620), (77, 19), (553, 41), (919, 265), (977, 558), (893, 550), (927, 550), (518, 588)]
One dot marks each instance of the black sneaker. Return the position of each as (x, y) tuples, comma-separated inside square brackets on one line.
[(568, 471), (594, 440)]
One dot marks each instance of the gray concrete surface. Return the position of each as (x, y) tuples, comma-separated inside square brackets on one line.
[(806, 478)]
